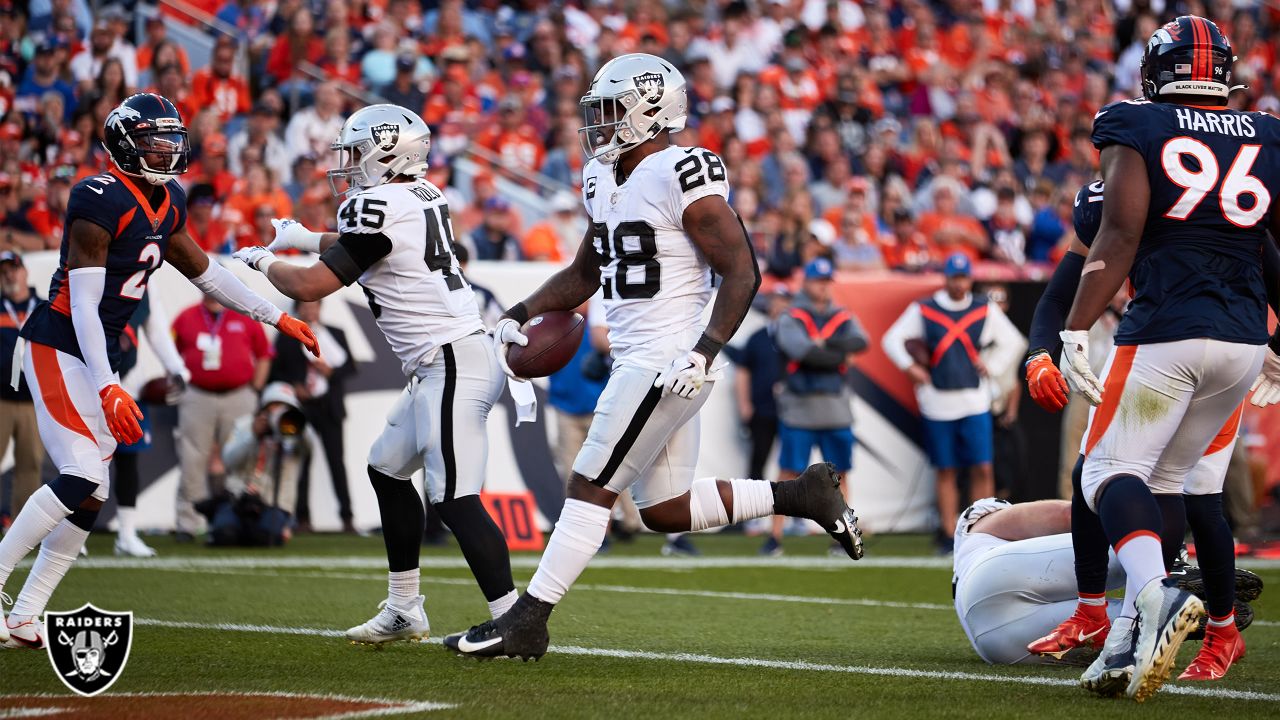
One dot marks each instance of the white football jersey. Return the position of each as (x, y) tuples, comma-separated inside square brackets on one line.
[(654, 281), (416, 292)]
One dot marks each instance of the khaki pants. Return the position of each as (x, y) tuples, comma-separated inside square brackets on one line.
[(571, 433), (18, 422), (1075, 418), (205, 421)]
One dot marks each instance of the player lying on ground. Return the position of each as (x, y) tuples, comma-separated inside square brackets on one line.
[(1195, 335), (1014, 582), (1199, 501), (120, 227), (660, 228), (395, 239)]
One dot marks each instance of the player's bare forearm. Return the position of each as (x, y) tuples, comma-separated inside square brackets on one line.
[(565, 290), (307, 284), (186, 256), (87, 246), (718, 233), (1124, 216)]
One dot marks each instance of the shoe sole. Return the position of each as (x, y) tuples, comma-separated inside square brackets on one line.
[(1167, 639), (1111, 684), (1248, 586), (414, 638)]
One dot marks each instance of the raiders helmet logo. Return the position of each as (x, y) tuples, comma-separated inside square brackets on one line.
[(88, 647), (386, 135), (650, 86)]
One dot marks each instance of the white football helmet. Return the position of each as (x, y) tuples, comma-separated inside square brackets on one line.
[(378, 143), (632, 99)]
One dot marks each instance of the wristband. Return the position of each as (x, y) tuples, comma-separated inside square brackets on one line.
[(1032, 355), (1274, 344), (708, 347), (518, 312)]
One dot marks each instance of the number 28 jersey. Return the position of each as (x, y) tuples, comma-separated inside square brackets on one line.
[(654, 282), (396, 240), (1198, 269)]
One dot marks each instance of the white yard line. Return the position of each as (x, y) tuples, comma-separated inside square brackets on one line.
[(792, 665)]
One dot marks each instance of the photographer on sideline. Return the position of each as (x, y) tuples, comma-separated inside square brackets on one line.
[(265, 457)]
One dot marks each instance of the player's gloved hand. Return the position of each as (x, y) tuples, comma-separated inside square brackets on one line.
[(1075, 365), (122, 414), (1266, 389), (685, 376), (256, 257), (299, 331), (291, 235), (1044, 380), (177, 386), (507, 331)]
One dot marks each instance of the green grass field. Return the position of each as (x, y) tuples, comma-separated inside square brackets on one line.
[(725, 636)]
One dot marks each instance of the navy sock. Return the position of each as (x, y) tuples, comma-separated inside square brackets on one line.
[(1126, 506), (1215, 551), (402, 519), (1174, 529), (1089, 540), (481, 542)]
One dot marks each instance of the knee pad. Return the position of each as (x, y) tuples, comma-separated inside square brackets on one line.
[(71, 490), (705, 507)]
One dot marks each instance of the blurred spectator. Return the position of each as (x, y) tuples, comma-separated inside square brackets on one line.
[(494, 240), (211, 169), (517, 145), (755, 384), (17, 409), (936, 342), (228, 357), (320, 386), (43, 75), (490, 309), (257, 190), (947, 228), (298, 44), (172, 84), (313, 129), (111, 83), (209, 232), (1009, 443), (218, 86), (103, 44), (815, 405), (556, 238), (265, 455), (260, 133), (301, 178), (403, 89), (157, 35)]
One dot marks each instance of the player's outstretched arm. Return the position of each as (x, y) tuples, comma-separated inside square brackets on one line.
[(1027, 520), (86, 282), (721, 238), (565, 290), (215, 280)]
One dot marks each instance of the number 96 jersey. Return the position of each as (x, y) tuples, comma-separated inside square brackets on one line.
[(654, 282), (396, 240), (1198, 270)]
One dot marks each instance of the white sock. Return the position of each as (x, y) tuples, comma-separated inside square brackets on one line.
[(402, 588), (499, 607), (1142, 560), (57, 552), (125, 518), (1230, 619), (38, 518), (751, 499), (706, 509), (574, 542)]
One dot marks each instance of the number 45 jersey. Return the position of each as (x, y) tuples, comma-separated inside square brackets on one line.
[(396, 240), (654, 282), (1198, 270)]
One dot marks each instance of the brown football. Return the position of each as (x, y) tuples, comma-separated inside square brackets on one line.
[(918, 351), (553, 341)]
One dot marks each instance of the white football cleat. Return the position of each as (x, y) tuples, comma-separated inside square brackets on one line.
[(1165, 615), (25, 631), (132, 546), (4, 630), (392, 624)]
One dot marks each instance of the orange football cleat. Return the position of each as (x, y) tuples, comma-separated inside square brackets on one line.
[(1222, 646), (1087, 627)]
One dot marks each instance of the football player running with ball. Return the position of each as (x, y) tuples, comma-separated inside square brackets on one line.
[(660, 228), (396, 240), (120, 226)]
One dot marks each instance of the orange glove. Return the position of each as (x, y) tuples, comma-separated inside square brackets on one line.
[(1044, 380), (299, 331), (122, 414)]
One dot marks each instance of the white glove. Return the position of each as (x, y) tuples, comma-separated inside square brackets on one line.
[(290, 234), (256, 257), (1075, 365), (1266, 389), (507, 331), (685, 376)]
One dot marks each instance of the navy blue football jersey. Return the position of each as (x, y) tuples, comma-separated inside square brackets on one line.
[(1198, 270), (139, 238), (1086, 216)]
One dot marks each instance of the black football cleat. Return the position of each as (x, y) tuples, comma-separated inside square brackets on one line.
[(815, 495), (1190, 578), (521, 632)]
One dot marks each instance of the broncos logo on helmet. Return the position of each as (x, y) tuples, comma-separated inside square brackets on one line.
[(146, 138)]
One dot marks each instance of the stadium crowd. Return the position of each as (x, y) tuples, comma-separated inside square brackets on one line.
[(878, 134)]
